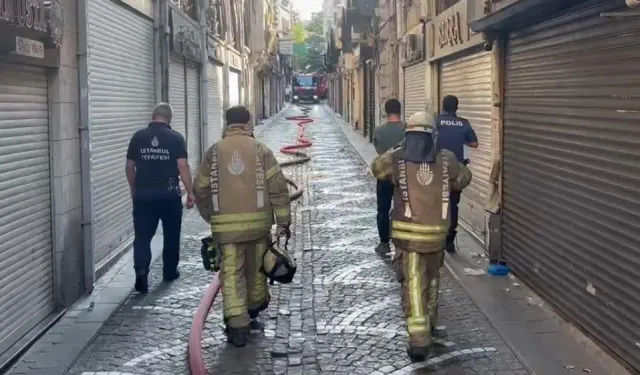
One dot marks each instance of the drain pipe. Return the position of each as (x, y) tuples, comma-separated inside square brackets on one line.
[(85, 142)]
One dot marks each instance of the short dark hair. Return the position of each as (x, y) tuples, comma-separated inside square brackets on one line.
[(393, 107), (237, 115), (450, 103)]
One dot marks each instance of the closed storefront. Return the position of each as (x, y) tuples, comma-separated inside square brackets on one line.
[(234, 88), (184, 83), (415, 78), (178, 94), (194, 133), (465, 71), (26, 259), (122, 96), (469, 79), (215, 100), (571, 189)]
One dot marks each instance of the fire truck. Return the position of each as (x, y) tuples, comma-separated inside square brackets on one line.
[(309, 87)]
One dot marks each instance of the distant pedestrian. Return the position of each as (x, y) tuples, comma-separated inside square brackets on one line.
[(385, 137), (156, 163), (454, 133)]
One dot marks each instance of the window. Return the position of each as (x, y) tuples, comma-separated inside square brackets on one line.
[(304, 81), (247, 22), (214, 18), (187, 6), (443, 5)]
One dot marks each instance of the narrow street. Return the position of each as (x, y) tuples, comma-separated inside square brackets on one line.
[(342, 313)]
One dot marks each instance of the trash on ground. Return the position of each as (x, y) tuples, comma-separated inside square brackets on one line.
[(474, 272)]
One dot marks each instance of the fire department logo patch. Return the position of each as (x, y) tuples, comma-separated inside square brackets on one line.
[(155, 142), (424, 174), (236, 165)]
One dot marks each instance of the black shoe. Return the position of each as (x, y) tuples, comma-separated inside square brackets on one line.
[(237, 336), (417, 353), (256, 326), (170, 276), (142, 283), (383, 248), (450, 247)]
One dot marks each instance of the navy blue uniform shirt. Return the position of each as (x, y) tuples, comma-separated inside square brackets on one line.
[(453, 133), (156, 150)]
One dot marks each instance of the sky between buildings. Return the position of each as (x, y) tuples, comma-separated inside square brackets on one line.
[(306, 7)]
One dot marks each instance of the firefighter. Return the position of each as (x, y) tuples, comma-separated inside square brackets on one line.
[(239, 189), (424, 177)]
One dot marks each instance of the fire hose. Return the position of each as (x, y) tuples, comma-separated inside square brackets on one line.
[(194, 350)]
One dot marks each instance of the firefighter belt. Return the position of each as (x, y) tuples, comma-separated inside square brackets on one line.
[(419, 275), (245, 291)]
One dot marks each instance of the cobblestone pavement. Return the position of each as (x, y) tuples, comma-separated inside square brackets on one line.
[(342, 313)]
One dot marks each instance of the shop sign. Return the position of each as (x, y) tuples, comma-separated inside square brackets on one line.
[(215, 50), (186, 38), (143, 6), (33, 14), (286, 46), (452, 32), (235, 60), (25, 13), (29, 48)]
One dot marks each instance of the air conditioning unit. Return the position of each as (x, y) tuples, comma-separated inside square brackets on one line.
[(414, 47), (358, 34)]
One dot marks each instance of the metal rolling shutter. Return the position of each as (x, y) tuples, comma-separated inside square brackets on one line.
[(26, 273), (234, 88), (414, 89), (194, 132), (469, 78), (215, 103), (122, 96), (177, 95), (571, 221)]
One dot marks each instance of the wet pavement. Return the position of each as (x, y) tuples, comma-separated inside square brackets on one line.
[(341, 314)]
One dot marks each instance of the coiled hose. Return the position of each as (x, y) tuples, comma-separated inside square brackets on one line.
[(194, 351)]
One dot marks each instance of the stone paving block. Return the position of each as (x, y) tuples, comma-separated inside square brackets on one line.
[(340, 315)]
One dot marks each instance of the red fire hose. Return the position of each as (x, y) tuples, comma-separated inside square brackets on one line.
[(194, 350)]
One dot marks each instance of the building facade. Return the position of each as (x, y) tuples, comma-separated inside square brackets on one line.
[(77, 79), (551, 90)]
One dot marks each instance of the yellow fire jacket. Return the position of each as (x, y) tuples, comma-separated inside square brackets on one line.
[(240, 188)]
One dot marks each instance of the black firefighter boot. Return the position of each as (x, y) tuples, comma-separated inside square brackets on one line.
[(142, 281), (417, 353), (237, 336)]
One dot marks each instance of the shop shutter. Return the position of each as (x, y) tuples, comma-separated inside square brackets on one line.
[(194, 132), (234, 88), (26, 273), (122, 97), (178, 95), (571, 221), (469, 78), (215, 112), (415, 78)]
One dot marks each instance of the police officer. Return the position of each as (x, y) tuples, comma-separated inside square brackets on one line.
[(423, 176), (453, 134), (156, 163), (241, 190), (385, 137)]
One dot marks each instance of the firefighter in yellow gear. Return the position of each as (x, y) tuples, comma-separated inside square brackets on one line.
[(240, 190), (423, 175)]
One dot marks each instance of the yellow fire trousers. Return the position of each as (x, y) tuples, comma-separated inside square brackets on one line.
[(245, 291), (419, 275)]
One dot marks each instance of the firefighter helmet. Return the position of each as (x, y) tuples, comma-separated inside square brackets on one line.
[(210, 255), (278, 265)]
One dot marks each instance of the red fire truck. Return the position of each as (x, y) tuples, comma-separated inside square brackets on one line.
[(309, 87)]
